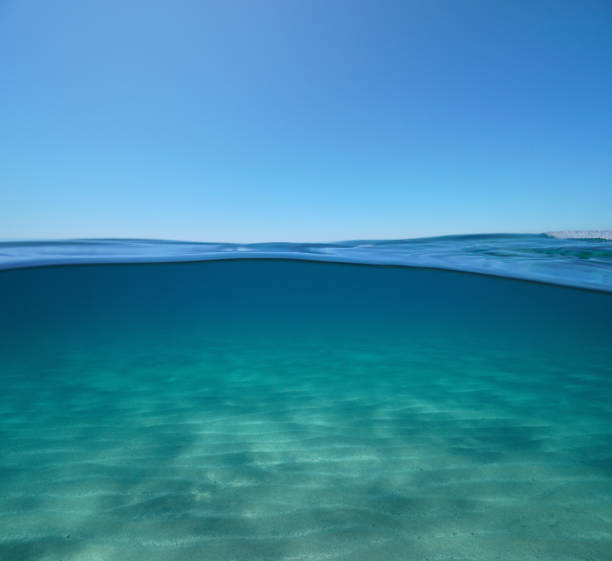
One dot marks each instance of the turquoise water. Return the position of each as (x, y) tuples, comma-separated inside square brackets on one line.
[(285, 410)]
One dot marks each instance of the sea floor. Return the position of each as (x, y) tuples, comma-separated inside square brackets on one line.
[(294, 411)]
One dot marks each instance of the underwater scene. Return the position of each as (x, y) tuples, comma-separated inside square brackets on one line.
[(286, 409)]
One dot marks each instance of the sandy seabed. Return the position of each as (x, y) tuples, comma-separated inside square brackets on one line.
[(340, 441)]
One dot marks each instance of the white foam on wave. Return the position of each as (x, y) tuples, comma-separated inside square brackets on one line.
[(581, 234)]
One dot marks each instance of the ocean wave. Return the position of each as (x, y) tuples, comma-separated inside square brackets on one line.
[(583, 259)]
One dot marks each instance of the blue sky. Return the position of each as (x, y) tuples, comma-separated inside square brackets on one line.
[(303, 120)]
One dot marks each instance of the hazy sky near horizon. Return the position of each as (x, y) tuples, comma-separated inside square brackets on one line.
[(245, 120)]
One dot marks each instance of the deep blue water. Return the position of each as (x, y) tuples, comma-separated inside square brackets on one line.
[(289, 410)]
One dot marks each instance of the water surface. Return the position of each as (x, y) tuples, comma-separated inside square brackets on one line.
[(580, 259)]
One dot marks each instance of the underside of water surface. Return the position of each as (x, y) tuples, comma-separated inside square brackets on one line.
[(281, 410)]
